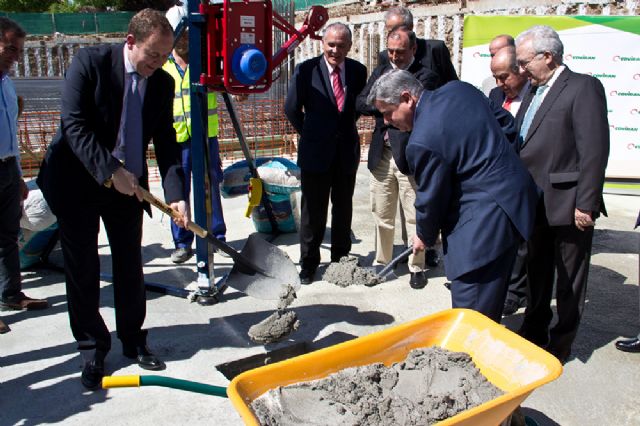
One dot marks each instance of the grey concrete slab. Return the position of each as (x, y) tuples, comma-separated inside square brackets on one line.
[(40, 368)]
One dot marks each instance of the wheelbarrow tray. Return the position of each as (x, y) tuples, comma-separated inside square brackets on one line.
[(510, 362)]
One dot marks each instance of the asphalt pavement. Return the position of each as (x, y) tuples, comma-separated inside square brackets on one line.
[(40, 367)]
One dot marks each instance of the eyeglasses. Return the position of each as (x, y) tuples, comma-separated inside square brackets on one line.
[(525, 64)]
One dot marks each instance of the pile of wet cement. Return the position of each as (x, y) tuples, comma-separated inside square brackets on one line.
[(347, 272), (279, 324), (430, 385)]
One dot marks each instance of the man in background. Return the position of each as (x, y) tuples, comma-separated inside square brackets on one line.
[(512, 86), (178, 68), (497, 43), (13, 190), (321, 106), (564, 135), (433, 54), (389, 181)]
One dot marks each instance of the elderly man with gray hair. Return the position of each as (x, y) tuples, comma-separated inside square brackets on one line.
[(564, 142), (471, 186)]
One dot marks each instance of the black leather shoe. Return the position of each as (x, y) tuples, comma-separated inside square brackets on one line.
[(306, 275), (143, 357), (92, 373), (418, 280), (510, 307), (631, 345), (431, 258)]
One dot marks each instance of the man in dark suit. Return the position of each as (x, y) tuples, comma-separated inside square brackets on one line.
[(321, 106), (565, 145), (511, 88), (433, 54), (471, 185), (115, 100), (389, 180)]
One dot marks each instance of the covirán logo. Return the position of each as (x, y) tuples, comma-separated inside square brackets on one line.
[(632, 146), (572, 57), (618, 58), (481, 55)]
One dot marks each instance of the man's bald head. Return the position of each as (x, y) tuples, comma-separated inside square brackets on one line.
[(506, 72), (500, 41)]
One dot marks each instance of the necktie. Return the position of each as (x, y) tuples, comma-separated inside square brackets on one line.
[(507, 104), (338, 90), (133, 129), (531, 112)]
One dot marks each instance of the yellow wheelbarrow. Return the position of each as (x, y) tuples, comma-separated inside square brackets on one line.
[(510, 362)]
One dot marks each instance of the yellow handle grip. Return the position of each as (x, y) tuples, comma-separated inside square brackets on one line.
[(120, 382), (255, 194)]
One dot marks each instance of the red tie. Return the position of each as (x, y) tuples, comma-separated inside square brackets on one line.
[(507, 104), (338, 90)]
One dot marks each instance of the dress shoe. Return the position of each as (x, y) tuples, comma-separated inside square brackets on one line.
[(511, 307), (418, 280), (431, 258), (306, 275), (4, 328), (143, 357), (631, 345), (181, 254), (92, 373), (20, 301)]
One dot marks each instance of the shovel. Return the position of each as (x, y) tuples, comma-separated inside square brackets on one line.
[(389, 267), (260, 270)]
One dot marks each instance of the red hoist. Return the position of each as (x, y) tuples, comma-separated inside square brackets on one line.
[(231, 51), (239, 43)]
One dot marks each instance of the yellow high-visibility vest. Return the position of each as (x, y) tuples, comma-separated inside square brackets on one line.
[(182, 105)]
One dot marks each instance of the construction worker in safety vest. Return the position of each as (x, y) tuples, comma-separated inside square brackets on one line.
[(178, 67)]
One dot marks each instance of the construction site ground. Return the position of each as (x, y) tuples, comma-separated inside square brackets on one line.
[(40, 367)]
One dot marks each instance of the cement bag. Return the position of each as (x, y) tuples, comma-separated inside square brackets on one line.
[(36, 214), (279, 175), (285, 211)]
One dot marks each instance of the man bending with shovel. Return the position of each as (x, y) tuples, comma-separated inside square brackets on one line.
[(471, 185)]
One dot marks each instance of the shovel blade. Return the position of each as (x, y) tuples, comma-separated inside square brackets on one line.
[(280, 270)]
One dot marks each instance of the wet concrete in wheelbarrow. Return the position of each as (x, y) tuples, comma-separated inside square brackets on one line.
[(430, 385)]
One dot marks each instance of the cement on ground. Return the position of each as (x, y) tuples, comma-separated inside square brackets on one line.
[(40, 367)]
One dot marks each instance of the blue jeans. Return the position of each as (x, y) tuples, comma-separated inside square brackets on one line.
[(10, 213), (183, 238)]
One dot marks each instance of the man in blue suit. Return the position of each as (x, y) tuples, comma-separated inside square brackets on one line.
[(321, 106), (115, 100), (471, 185)]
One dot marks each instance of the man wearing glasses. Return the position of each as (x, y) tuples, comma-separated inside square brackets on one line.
[(115, 100), (564, 137)]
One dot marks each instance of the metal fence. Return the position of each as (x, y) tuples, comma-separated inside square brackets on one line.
[(72, 23), (265, 127)]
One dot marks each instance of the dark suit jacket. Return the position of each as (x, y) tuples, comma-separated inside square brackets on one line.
[(567, 147), (398, 139), (497, 96), (327, 136), (434, 55), (78, 160), (471, 185)]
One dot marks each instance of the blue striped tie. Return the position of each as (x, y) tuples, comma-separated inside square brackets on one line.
[(531, 112), (133, 157)]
